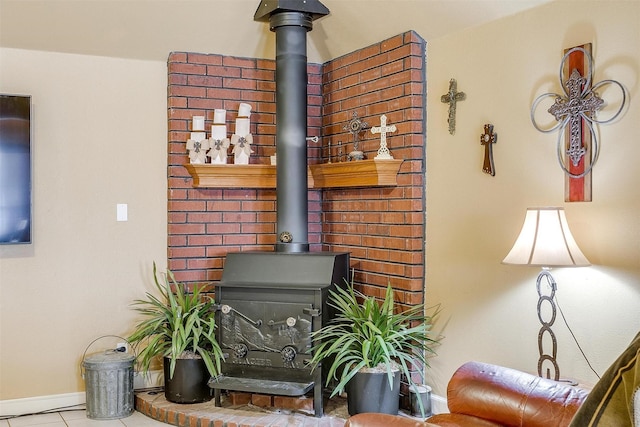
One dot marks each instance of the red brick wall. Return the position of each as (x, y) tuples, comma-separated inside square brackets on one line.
[(205, 224), (382, 228)]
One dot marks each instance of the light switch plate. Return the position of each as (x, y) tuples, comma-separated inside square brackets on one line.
[(121, 212)]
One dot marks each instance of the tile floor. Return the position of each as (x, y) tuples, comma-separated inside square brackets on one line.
[(157, 406), (79, 419)]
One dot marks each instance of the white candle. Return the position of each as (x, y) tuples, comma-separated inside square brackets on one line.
[(244, 110), (218, 131), (241, 158), (198, 136), (219, 116), (198, 123), (242, 126)]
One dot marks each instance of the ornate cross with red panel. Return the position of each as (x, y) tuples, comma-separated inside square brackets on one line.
[(575, 112)]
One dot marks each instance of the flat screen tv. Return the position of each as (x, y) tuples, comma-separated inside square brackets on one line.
[(15, 169)]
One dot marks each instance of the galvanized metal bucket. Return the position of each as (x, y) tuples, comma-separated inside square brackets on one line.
[(109, 384), (420, 401)]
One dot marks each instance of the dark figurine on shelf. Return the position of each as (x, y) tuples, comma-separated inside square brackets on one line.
[(355, 127)]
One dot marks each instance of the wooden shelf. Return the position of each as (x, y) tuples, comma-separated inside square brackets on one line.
[(360, 173), (363, 173), (232, 176)]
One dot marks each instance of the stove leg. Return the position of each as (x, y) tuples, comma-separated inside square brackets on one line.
[(317, 400)]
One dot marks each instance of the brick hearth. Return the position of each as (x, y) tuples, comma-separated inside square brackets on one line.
[(237, 413)]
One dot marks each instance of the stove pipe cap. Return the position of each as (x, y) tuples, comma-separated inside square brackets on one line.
[(267, 8)]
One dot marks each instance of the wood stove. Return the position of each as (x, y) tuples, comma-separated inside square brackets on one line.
[(269, 303), (267, 306)]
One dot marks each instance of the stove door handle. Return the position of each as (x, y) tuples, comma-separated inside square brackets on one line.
[(226, 309), (313, 312)]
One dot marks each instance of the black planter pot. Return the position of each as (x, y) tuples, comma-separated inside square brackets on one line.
[(370, 392), (189, 382)]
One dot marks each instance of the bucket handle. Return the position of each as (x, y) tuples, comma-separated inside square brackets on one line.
[(99, 338)]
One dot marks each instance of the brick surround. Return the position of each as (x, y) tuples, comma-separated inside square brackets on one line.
[(234, 414), (382, 227)]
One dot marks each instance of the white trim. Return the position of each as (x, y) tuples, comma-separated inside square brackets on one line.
[(30, 405), (152, 379), (439, 404)]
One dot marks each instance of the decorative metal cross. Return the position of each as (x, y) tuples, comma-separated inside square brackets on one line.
[(242, 144), (572, 109), (242, 148), (488, 139), (383, 151), (451, 98), (579, 105), (355, 127), (218, 152), (198, 149)]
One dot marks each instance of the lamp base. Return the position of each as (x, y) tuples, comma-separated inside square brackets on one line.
[(547, 298)]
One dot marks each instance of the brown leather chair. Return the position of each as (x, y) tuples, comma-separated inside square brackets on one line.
[(508, 397), (484, 395)]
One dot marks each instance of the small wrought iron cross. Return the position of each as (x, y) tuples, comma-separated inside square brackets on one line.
[(194, 145), (198, 149), (355, 127), (488, 138), (451, 98)]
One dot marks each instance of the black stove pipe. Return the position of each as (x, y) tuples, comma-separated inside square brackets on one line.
[(291, 20)]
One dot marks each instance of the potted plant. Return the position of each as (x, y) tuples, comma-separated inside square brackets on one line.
[(368, 346), (179, 327)]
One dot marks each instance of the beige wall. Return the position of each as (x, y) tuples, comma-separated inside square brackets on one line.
[(75, 281), (473, 218), (99, 139)]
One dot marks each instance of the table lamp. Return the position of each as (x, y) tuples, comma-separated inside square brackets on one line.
[(546, 241)]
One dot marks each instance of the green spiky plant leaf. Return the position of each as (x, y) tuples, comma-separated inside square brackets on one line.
[(370, 334), (174, 324)]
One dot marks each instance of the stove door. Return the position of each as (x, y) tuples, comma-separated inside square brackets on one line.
[(263, 333)]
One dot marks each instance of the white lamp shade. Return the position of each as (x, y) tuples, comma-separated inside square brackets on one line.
[(546, 241)]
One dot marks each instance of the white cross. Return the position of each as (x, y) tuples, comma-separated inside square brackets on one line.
[(383, 151)]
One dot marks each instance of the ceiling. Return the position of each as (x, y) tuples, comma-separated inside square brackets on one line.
[(151, 29)]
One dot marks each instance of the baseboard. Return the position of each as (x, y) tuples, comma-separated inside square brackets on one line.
[(32, 405), (439, 404), (151, 379)]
